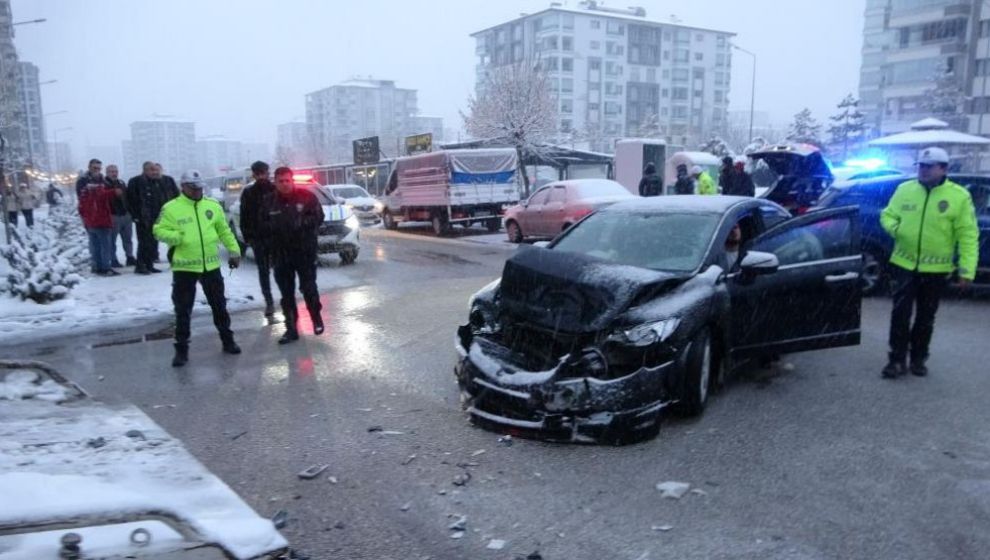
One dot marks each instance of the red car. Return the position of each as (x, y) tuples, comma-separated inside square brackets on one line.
[(558, 206)]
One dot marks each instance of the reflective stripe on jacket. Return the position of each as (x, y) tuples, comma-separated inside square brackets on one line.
[(930, 225), (193, 229)]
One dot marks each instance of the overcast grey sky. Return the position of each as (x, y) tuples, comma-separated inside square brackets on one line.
[(239, 67)]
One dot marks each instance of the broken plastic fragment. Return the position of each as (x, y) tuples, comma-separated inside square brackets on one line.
[(457, 534), (674, 490), (280, 518), (312, 472), (478, 452), (505, 441), (460, 524), (409, 459), (462, 479), (496, 544), (699, 492), (406, 506), (663, 528)]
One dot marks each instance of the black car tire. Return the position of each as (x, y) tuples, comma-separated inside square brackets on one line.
[(348, 256), (440, 223), (699, 371), (514, 232), (874, 275), (388, 221), (493, 225)]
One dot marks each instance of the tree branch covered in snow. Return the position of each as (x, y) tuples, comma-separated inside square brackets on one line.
[(45, 261), (805, 129), (717, 147), (515, 104), (946, 99)]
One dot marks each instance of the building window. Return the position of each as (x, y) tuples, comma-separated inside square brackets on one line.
[(699, 56), (611, 88), (680, 112), (719, 96), (720, 41), (667, 35), (634, 74), (566, 85), (594, 64), (565, 125), (680, 93), (985, 28), (614, 48), (680, 74), (613, 69), (550, 64), (566, 106), (568, 20), (682, 55), (596, 24), (664, 112), (613, 108), (983, 67), (615, 28), (720, 79), (698, 37), (567, 43), (665, 93), (720, 60), (593, 107), (567, 64), (666, 74), (698, 93), (595, 45), (698, 73), (517, 32), (651, 75)]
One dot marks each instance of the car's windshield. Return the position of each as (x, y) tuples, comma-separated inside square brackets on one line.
[(592, 189), (350, 192), (659, 241)]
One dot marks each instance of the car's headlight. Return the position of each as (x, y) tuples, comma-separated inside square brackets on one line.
[(379, 206), (647, 333), (352, 222)]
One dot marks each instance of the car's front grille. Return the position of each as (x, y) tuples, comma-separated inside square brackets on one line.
[(367, 208), (542, 349), (334, 228)]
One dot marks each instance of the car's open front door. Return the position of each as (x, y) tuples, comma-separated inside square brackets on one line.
[(813, 300)]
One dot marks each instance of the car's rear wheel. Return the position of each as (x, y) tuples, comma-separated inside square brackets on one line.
[(493, 225), (874, 275), (698, 374), (514, 232), (388, 221), (348, 256)]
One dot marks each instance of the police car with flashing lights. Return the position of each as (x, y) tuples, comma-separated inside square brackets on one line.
[(340, 232)]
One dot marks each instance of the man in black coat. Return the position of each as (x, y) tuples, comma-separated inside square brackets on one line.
[(292, 227), (740, 182), (146, 194), (650, 184), (255, 202), (725, 174)]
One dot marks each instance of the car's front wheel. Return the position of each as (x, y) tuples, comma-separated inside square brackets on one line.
[(874, 273), (698, 374), (493, 225), (513, 231), (348, 256), (388, 221)]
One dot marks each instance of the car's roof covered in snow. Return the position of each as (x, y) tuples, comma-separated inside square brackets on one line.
[(705, 204)]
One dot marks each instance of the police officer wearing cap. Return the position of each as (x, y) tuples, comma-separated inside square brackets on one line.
[(931, 220), (193, 226)]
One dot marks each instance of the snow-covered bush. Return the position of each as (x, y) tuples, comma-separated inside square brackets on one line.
[(45, 261)]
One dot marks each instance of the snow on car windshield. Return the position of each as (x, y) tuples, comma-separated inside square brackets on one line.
[(350, 192), (671, 241), (591, 189)]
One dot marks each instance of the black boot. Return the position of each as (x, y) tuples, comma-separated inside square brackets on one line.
[(893, 369), (317, 323), (231, 347), (919, 368), (131, 261), (291, 335), (269, 307), (291, 328), (181, 355)]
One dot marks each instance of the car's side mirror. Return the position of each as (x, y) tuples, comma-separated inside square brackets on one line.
[(757, 263)]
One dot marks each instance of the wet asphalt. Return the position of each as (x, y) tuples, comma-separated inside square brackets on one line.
[(816, 458)]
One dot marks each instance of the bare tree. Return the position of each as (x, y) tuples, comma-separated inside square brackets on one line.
[(515, 104)]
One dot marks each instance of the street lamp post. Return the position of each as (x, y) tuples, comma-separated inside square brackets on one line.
[(752, 93)]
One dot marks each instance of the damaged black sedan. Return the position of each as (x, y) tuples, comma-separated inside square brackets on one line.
[(647, 305)]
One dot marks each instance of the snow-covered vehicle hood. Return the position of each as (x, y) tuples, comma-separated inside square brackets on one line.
[(574, 293), (360, 201), (70, 464)]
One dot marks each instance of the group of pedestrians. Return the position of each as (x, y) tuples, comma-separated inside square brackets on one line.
[(112, 209), (280, 222), (22, 200), (733, 180)]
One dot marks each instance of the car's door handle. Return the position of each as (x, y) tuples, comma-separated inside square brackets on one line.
[(847, 277)]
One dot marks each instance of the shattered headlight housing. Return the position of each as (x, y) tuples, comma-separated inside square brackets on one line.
[(646, 334)]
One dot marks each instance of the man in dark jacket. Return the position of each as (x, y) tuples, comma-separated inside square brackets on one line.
[(255, 202), (146, 194), (95, 196), (725, 175), (684, 184), (739, 182), (292, 226), (123, 226), (650, 184)]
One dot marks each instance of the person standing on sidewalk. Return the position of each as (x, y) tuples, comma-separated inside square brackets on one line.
[(650, 184), (931, 220), (146, 195), (95, 196), (11, 205), (123, 225), (30, 197), (255, 202), (293, 222), (193, 226), (705, 183)]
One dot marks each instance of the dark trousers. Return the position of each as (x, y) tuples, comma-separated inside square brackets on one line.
[(28, 216), (917, 293), (263, 258), (147, 249), (12, 218), (287, 268), (184, 295)]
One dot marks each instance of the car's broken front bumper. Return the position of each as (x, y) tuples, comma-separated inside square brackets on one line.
[(556, 404)]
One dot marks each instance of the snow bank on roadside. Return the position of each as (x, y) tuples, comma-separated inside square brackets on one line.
[(26, 384)]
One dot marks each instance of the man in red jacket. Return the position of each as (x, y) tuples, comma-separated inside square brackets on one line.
[(94, 196)]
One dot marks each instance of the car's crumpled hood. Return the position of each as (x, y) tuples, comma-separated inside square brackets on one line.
[(574, 293)]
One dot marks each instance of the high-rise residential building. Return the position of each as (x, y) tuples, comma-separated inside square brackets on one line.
[(35, 148), (358, 108), (925, 58), (13, 123), (613, 70), (293, 145), (61, 156), (169, 142), (215, 155)]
